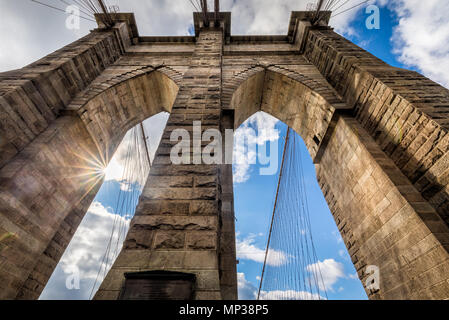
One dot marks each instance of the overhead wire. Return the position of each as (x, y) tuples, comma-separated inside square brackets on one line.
[(323, 6), (342, 5), (205, 10), (81, 10), (351, 8), (194, 5), (59, 9), (105, 258), (199, 3), (82, 4)]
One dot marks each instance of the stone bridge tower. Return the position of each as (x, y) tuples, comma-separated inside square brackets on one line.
[(378, 135)]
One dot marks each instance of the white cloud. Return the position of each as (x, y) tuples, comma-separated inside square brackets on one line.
[(247, 291), (30, 31), (422, 37), (251, 16), (152, 16), (354, 276), (331, 272), (85, 252), (247, 250), (259, 129), (337, 237), (154, 128), (243, 155), (116, 170), (90, 240)]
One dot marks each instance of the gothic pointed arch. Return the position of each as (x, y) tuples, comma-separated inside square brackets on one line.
[(69, 157), (376, 208)]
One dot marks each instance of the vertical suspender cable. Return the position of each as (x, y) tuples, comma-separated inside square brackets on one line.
[(134, 172), (274, 211), (108, 19), (217, 11), (291, 267), (318, 9), (145, 144), (205, 13)]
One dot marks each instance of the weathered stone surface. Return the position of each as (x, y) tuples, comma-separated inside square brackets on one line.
[(208, 280), (141, 237), (181, 193), (201, 241), (201, 260), (163, 260), (159, 222), (169, 240), (203, 207)]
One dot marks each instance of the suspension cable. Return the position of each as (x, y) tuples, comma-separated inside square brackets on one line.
[(291, 268), (145, 143), (274, 212), (59, 9), (353, 7), (136, 169)]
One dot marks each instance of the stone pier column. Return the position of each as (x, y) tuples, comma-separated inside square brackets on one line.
[(178, 222)]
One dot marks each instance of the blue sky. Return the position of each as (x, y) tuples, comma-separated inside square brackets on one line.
[(377, 41), (413, 34), (254, 201)]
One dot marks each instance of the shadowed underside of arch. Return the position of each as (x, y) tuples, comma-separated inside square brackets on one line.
[(111, 113), (51, 183), (289, 100)]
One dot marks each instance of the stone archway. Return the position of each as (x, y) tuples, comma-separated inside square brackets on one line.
[(287, 99), (118, 107), (383, 219), (63, 170)]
